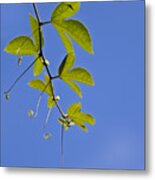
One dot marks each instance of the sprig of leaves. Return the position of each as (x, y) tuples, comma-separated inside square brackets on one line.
[(44, 86), (71, 75), (68, 30), (71, 28), (75, 116)]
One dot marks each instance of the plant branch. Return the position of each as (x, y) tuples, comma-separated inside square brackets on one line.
[(36, 12), (55, 77), (44, 61), (21, 75), (44, 23), (50, 76)]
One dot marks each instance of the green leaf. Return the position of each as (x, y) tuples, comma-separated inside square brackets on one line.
[(87, 118), (65, 40), (81, 125), (65, 10), (66, 64), (78, 117), (49, 87), (73, 86), (21, 45), (35, 32), (40, 85), (38, 67), (50, 102), (74, 108), (79, 74), (78, 32), (37, 84), (76, 74)]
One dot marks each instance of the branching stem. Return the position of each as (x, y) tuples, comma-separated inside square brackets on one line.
[(49, 73), (55, 77), (44, 23)]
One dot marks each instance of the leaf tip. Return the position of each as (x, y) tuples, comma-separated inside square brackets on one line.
[(5, 49), (80, 95), (92, 51)]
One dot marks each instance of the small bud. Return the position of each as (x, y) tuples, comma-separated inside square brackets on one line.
[(47, 62), (30, 113), (66, 116), (57, 98), (47, 136), (71, 123), (19, 61), (7, 96)]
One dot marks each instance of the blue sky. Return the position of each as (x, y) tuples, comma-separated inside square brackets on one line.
[(116, 101)]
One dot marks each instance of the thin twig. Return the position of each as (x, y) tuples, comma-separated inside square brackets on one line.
[(44, 23), (21, 75), (44, 61), (55, 77)]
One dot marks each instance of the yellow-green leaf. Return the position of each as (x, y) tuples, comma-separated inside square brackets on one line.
[(65, 10), (79, 118), (66, 64), (80, 124), (80, 75), (21, 45), (87, 118), (50, 102), (37, 84), (38, 67), (78, 32), (35, 32), (74, 108), (48, 83), (65, 40), (41, 86), (73, 86)]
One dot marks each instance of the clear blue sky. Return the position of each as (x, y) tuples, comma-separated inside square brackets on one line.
[(116, 101)]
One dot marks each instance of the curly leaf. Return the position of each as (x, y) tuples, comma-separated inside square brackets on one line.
[(73, 86), (21, 45), (38, 67), (35, 32), (66, 64), (65, 10), (79, 74)]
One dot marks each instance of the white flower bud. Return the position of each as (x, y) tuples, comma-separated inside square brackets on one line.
[(57, 98)]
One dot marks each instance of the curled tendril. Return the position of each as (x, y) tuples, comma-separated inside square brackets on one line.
[(47, 136), (37, 106), (30, 113), (47, 117)]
